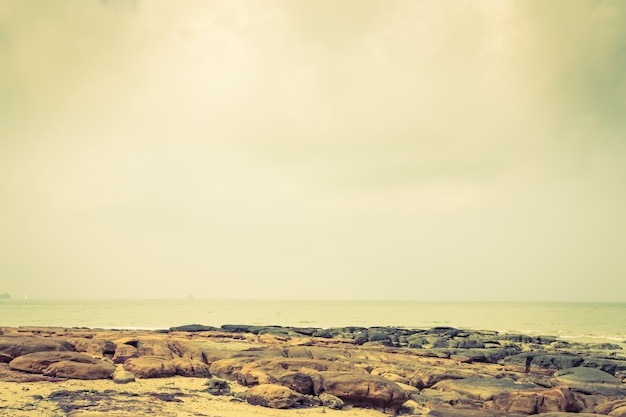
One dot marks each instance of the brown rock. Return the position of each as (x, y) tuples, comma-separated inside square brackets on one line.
[(123, 352), (618, 412), (186, 350), (37, 362), (150, 367), (297, 381), (154, 347), (97, 348), (13, 346), (273, 396), (366, 390), (79, 370), (226, 368), (535, 402), (191, 368)]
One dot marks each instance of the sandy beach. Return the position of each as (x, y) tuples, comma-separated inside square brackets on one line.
[(141, 398)]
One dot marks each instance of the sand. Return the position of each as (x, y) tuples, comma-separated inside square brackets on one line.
[(176, 396)]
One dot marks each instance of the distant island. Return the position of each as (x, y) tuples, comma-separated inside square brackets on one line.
[(5, 296)]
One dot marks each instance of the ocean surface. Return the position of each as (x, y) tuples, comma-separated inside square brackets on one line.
[(587, 322)]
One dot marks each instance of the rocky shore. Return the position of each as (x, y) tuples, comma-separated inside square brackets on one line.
[(198, 370)]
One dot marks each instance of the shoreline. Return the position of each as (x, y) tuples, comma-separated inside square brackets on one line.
[(371, 371)]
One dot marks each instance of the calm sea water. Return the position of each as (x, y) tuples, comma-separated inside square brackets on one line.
[(576, 321)]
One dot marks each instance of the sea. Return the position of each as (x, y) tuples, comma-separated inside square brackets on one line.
[(574, 321)]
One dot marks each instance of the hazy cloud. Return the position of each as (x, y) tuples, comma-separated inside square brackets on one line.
[(354, 149)]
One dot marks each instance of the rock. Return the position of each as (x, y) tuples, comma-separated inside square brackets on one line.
[(120, 376), (217, 386), (534, 402), (431, 399), (154, 347), (484, 389), (590, 381), (618, 412), (331, 401), (186, 350), (466, 412), (73, 365), (12, 347), (608, 406), (193, 328), (80, 370), (273, 396), (150, 367), (427, 376), (611, 366), (37, 362), (366, 390), (191, 368), (538, 363), (411, 407), (97, 348), (123, 352), (298, 381), (226, 368)]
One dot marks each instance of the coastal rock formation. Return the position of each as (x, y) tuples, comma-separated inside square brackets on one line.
[(13, 346), (442, 372), (150, 367), (63, 364), (366, 390), (273, 396)]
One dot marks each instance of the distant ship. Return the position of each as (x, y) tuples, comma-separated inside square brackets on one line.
[(5, 296)]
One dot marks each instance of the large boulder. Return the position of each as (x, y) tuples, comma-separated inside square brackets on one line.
[(150, 367), (366, 390), (72, 365), (273, 396), (13, 346)]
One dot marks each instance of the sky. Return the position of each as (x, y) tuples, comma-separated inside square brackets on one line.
[(291, 149)]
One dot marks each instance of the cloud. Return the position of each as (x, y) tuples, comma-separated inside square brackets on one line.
[(342, 144)]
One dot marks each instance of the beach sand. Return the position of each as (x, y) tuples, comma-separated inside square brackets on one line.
[(141, 398)]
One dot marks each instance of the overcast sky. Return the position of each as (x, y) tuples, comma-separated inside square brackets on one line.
[(354, 149)]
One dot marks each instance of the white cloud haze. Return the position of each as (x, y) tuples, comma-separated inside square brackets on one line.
[(422, 150)]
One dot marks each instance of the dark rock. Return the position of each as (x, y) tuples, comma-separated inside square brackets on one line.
[(193, 328), (540, 363), (590, 381), (217, 386), (612, 366)]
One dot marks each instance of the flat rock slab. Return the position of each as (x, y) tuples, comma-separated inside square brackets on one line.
[(484, 389)]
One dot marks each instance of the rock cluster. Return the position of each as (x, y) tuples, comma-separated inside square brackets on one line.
[(443, 371)]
